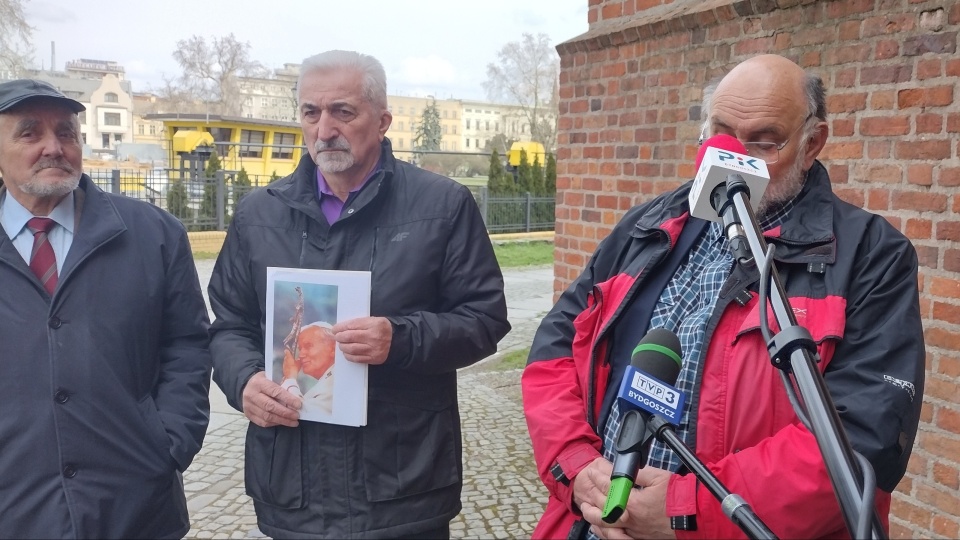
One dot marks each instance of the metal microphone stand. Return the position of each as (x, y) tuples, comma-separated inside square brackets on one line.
[(793, 351), (732, 504)]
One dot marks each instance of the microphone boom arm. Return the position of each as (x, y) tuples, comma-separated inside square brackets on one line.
[(838, 454)]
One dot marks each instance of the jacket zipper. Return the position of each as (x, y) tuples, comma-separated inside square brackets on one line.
[(303, 247), (373, 254)]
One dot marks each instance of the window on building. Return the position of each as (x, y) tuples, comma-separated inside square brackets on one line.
[(487, 126), (111, 119), (399, 143), (468, 143), (283, 145), (400, 111), (273, 101), (468, 123), (444, 114), (105, 140), (454, 128), (444, 130), (400, 126), (263, 102), (140, 129), (83, 117), (476, 143), (118, 137), (496, 127), (83, 136), (453, 114), (153, 129), (110, 97), (254, 137)]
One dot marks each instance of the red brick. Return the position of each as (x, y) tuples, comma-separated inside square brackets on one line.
[(879, 148), (919, 229), (937, 96), (946, 502), (910, 512), (921, 175), (946, 526), (611, 11), (949, 177), (914, 200), (929, 69), (883, 100), (885, 74), (937, 387), (948, 419), (886, 49), (932, 149), (846, 103), (884, 126), (878, 199), (945, 287), (852, 196), (843, 150), (887, 174), (951, 260), (949, 313), (841, 10), (842, 127), (949, 367), (929, 123), (927, 256), (953, 66), (948, 230), (887, 24), (953, 123)]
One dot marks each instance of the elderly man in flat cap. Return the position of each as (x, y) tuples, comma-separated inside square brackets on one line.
[(104, 365)]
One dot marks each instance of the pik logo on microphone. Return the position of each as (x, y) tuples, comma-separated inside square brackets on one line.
[(641, 391), (723, 155)]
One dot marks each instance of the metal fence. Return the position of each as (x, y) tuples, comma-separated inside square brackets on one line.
[(207, 203)]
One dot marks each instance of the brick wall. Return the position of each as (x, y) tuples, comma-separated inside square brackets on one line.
[(630, 92)]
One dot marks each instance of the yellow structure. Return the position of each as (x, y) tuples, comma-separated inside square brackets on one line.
[(261, 147), (187, 140), (533, 149)]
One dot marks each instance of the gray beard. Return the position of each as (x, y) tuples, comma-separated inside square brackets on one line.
[(46, 190), (785, 190)]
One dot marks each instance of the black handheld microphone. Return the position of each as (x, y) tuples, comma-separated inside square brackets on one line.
[(647, 389)]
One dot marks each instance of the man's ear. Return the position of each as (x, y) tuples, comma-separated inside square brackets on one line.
[(386, 118), (815, 144)]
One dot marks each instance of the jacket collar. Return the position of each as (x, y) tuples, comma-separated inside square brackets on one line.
[(299, 190), (97, 222)]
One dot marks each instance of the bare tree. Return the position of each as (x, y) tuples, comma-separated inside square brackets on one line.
[(526, 73), (15, 33), (211, 73)]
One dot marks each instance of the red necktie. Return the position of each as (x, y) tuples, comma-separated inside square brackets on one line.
[(43, 262)]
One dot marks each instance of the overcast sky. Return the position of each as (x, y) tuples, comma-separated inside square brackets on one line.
[(436, 47)]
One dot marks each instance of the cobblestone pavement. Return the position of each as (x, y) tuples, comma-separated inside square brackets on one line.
[(502, 495)]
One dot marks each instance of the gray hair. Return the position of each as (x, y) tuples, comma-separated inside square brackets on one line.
[(374, 83), (813, 90)]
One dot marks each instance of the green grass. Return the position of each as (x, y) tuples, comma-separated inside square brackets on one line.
[(509, 254), (517, 254), (512, 360)]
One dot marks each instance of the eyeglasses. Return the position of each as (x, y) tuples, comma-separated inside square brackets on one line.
[(769, 152)]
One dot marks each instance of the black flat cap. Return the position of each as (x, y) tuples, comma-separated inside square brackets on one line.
[(13, 93)]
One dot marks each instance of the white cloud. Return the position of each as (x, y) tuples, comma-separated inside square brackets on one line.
[(426, 71)]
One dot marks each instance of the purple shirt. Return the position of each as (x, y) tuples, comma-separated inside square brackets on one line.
[(330, 204)]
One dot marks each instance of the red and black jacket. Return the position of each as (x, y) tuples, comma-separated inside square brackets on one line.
[(851, 279)]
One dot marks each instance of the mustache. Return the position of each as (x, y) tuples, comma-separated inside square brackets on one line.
[(54, 163), (334, 144)]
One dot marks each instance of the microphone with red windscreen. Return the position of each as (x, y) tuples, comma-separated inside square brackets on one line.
[(720, 157)]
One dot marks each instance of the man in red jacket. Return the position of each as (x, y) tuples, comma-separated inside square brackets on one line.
[(851, 279)]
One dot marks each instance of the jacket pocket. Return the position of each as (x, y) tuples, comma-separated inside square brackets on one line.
[(273, 468), (158, 434), (410, 444), (824, 318)]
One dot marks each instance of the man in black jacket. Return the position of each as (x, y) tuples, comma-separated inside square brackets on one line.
[(104, 361), (437, 305)]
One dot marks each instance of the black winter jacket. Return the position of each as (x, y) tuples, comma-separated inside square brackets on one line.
[(435, 277)]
